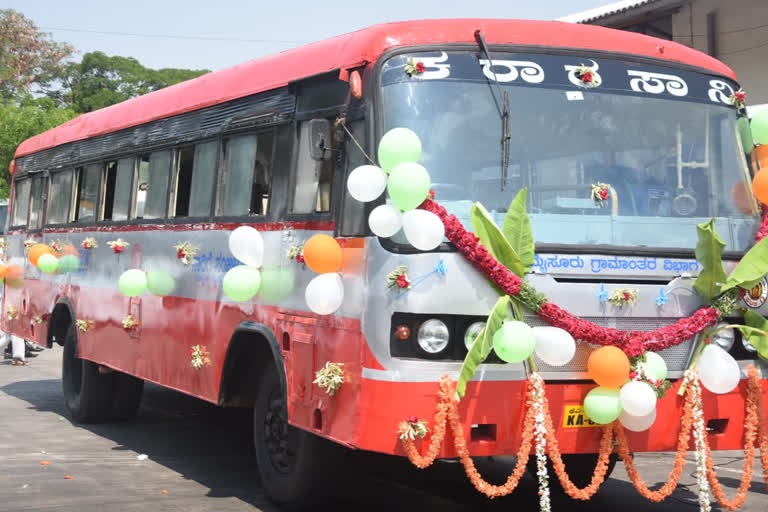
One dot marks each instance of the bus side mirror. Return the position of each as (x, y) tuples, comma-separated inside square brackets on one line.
[(320, 139)]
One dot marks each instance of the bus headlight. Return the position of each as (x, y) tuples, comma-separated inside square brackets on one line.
[(433, 336), (471, 333), (723, 339), (748, 346)]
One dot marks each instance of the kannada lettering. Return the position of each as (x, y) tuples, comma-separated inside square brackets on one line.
[(614, 264), (552, 262)]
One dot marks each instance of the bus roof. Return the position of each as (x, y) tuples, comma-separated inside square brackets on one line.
[(352, 50)]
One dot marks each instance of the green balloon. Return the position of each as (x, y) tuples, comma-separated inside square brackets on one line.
[(514, 341), (655, 366), (408, 185), (69, 263), (276, 285), (759, 126), (602, 405), (133, 282), (241, 283), (48, 263), (398, 145), (745, 135), (160, 283)]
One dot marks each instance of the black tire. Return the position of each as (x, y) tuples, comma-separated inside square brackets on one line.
[(127, 391), (87, 393), (298, 469), (579, 467)]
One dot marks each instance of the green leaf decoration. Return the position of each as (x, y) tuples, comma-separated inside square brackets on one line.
[(751, 269), (483, 344), (709, 252), (517, 230), (493, 239), (756, 332)]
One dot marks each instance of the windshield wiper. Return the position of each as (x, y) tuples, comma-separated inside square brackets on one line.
[(505, 136)]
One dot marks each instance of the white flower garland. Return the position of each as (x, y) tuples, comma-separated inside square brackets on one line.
[(699, 436), (540, 432)]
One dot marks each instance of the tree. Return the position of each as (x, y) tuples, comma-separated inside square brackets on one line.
[(28, 57), (20, 121), (100, 80)]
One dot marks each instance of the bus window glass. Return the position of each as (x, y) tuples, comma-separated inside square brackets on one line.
[(157, 187), (87, 193), (203, 176), (142, 183), (122, 199), (36, 203), (312, 191), (21, 203), (247, 175), (59, 197), (184, 162)]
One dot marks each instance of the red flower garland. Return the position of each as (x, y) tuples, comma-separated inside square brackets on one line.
[(633, 343)]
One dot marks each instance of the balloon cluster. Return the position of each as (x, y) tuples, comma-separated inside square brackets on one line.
[(516, 341), (325, 293), (408, 185), (242, 283), (134, 282), (49, 261)]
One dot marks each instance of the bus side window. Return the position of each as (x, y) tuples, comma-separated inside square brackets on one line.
[(247, 177), (36, 200), (195, 178), (87, 192), (20, 203), (117, 189), (312, 186), (152, 185), (59, 197)]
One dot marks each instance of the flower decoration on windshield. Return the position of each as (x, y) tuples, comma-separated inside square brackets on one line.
[(11, 313), (89, 243), (29, 243), (587, 76), (412, 428), (84, 325), (398, 278), (200, 356), (738, 99), (414, 67), (130, 323), (600, 193), (186, 252), (118, 245), (296, 253), (330, 377), (624, 297)]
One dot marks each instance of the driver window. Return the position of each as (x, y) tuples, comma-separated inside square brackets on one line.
[(312, 190)]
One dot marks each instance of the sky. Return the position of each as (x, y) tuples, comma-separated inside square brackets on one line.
[(215, 34)]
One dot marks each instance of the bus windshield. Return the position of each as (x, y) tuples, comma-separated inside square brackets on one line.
[(664, 140)]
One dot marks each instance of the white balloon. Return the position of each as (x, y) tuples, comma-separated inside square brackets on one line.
[(554, 346), (385, 220), (637, 423), (424, 230), (637, 398), (366, 183), (325, 293), (247, 245), (718, 370)]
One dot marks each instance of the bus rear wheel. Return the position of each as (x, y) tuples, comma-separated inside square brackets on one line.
[(127, 391), (87, 392)]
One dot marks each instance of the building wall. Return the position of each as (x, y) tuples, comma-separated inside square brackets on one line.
[(741, 41)]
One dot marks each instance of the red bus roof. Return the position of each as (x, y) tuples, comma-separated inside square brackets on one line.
[(351, 50)]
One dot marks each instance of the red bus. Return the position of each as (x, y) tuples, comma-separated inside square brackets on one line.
[(270, 143)]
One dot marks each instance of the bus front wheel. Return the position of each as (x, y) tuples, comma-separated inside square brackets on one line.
[(87, 392)]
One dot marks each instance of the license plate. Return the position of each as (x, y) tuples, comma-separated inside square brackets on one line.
[(574, 417)]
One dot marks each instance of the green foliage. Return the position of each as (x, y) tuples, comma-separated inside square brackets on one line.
[(483, 344), (751, 269), (517, 230), (709, 250), (756, 332), (20, 121), (493, 239)]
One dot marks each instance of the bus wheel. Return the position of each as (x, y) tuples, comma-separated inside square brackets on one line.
[(579, 467), (295, 466), (87, 393), (127, 391)]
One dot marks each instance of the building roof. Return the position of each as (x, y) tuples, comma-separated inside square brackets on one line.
[(604, 11), (352, 50)]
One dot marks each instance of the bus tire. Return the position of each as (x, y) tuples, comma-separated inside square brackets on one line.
[(579, 466), (296, 467), (127, 391), (87, 393)]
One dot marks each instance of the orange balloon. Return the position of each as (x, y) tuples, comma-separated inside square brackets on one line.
[(609, 367), (760, 187), (14, 276), (2, 271), (322, 254), (36, 251)]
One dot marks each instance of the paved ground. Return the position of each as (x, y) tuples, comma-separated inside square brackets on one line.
[(201, 456)]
